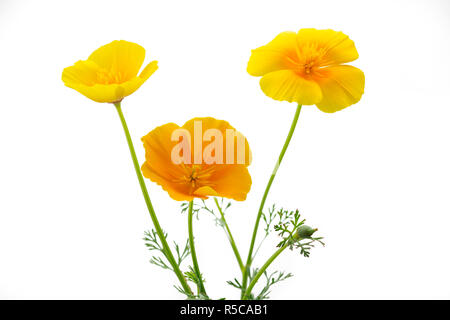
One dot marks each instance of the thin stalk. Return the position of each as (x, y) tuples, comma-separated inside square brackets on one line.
[(153, 216), (230, 237), (261, 271), (263, 201), (201, 287)]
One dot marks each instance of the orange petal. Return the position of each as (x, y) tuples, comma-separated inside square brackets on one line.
[(232, 181), (158, 146), (239, 141), (205, 192), (178, 192)]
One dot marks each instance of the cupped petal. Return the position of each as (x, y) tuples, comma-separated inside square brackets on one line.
[(82, 72), (334, 47), (149, 70), (232, 181), (279, 54), (341, 87), (100, 92), (120, 57), (105, 92), (287, 85)]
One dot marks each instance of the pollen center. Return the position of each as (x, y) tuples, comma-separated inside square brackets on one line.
[(109, 77), (193, 176), (308, 67), (197, 175)]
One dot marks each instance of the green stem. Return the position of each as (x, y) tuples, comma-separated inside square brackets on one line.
[(201, 288), (262, 270), (159, 231), (263, 201), (230, 237)]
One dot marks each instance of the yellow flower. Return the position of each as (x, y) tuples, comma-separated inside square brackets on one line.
[(197, 176), (110, 73), (307, 68)]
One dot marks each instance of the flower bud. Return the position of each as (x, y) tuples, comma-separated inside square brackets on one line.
[(304, 232)]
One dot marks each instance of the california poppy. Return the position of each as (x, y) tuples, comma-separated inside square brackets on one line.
[(110, 73), (188, 173), (307, 67)]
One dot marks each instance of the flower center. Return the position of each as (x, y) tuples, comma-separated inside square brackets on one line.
[(108, 76), (310, 58), (308, 67), (197, 175), (193, 176)]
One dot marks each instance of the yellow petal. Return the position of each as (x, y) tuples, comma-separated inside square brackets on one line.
[(341, 87), (149, 70), (82, 72), (100, 92), (108, 92), (120, 57), (286, 85), (205, 192), (278, 54), (131, 86), (334, 47)]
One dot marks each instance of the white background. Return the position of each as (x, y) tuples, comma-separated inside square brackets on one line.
[(374, 178)]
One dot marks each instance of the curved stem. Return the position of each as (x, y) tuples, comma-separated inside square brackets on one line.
[(155, 221), (230, 237), (262, 270), (263, 201), (201, 288)]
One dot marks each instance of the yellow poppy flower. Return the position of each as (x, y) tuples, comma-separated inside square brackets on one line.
[(196, 176), (110, 73), (307, 67)]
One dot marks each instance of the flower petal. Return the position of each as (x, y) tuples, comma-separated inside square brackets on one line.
[(232, 181), (278, 54), (207, 123), (159, 167), (341, 87), (286, 85), (205, 192), (158, 146), (336, 46), (100, 92), (176, 192), (82, 72), (107, 92), (149, 70), (120, 56)]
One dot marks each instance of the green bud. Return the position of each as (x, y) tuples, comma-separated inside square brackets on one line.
[(304, 232)]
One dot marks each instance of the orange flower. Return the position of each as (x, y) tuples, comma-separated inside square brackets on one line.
[(307, 68), (205, 157)]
